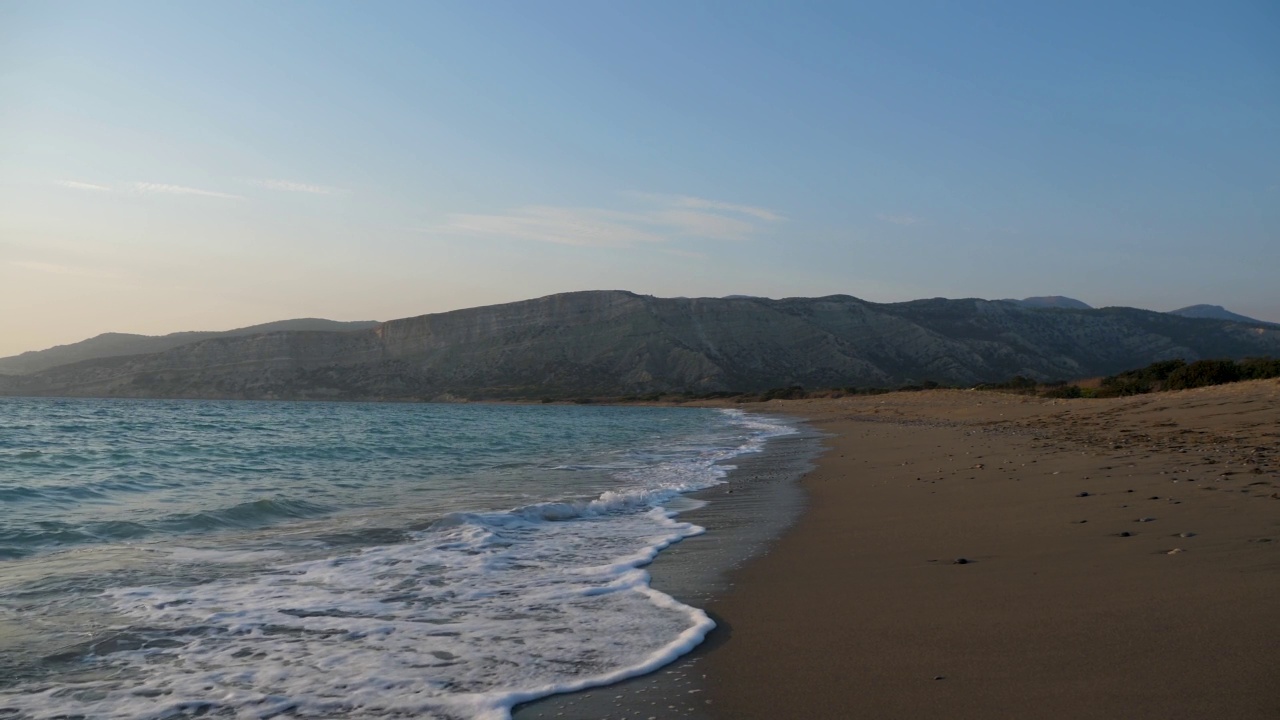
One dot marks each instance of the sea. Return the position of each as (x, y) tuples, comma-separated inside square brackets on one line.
[(172, 559)]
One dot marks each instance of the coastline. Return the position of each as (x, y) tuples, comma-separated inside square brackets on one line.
[(743, 517), (1121, 559)]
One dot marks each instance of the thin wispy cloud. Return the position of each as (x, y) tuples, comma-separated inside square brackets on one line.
[(147, 188), (291, 186), (704, 204), (697, 203), (660, 219), (77, 185), (57, 269), (704, 224), (899, 219), (562, 225)]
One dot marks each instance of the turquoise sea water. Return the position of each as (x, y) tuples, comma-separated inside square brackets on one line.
[(237, 559)]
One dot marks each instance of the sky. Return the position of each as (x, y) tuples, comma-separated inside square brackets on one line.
[(202, 166)]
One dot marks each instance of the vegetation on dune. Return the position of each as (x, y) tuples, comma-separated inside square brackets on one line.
[(1180, 375), (1156, 377), (1017, 384)]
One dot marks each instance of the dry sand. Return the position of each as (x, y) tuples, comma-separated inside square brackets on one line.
[(861, 610)]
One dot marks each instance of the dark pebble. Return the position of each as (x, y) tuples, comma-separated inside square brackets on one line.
[(1083, 494), (962, 561), (1126, 533)]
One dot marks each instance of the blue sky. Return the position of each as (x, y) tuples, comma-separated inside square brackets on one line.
[(175, 166)]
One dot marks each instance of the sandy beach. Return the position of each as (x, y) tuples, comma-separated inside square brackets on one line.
[(979, 555)]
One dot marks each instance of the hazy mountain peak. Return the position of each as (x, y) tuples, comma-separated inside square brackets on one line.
[(1051, 301), (1215, 312)]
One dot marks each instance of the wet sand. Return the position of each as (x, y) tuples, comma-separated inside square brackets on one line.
[(1121, 559)]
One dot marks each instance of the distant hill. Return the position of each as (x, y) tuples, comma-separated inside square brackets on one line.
[(1050, 301), (611, 343), (121, 344), (1215, 312)]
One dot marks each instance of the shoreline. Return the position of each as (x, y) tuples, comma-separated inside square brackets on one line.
[(1121, 558), (743, 517), (960, 554)]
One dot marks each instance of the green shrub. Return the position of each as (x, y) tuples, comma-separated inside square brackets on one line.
[(1064, 391), (1178, 375), (1259, 368), (1143, 380), (793, 392), (1017, 384), (1203, 373)]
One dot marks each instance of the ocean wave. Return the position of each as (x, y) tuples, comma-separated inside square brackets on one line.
[(25, 538), (464, 621), (252, 514), (19, 539), (468, 617)]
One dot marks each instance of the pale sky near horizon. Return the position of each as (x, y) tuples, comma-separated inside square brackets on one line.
[(171, 166)]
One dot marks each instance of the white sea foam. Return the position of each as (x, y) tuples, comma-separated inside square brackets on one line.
[(222, 557), (475, 614)]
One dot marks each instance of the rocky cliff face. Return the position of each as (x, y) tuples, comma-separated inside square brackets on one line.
[(613, 343)]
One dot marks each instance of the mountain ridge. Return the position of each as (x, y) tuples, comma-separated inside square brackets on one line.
[(618, 342), (113, 344)]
